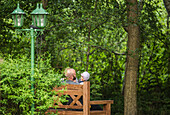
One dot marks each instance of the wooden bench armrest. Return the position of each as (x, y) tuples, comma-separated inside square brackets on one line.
[(101, 102)]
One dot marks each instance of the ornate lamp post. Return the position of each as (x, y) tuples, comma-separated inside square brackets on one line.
[(39, 22)]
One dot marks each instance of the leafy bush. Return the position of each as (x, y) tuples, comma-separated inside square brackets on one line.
[(15, 86)]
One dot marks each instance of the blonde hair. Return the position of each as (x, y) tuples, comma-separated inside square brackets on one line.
[(69, 72)]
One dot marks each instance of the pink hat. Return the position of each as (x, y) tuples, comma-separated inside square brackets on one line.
[(85, 75)]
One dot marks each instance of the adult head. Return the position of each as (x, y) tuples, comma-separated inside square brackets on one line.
[(70, 74)]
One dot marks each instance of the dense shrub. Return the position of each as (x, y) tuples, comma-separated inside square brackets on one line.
[(15, 83)]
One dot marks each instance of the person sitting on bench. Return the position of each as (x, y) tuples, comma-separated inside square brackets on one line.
[(84, 77), (70, 74)]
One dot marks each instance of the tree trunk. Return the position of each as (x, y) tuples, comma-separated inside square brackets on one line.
[(130, 93), (167, 6)]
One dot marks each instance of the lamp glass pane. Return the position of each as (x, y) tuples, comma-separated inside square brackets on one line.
[(18, 20), (38, 21), (33, 18), (42, 20), (22, 19), (14, 18)]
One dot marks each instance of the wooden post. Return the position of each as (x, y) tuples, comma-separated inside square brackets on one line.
[(86, 98), (107, 108)]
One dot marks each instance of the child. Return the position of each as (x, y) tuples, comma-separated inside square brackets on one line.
[(84, 77)]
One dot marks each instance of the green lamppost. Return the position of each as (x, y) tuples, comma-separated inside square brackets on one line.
[(39, 22)]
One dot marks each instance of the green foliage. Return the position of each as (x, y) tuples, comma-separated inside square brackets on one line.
[(153, 73), (16, 96), (75, 29)]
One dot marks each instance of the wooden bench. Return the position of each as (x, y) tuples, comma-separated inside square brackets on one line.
[(76, 92)]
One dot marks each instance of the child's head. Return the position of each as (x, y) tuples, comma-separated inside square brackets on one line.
[(85, 76)]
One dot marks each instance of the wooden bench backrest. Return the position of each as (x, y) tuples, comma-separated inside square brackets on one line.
[(75, 92)]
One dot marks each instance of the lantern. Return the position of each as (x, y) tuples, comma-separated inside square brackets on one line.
[(39, 17), (18, 16)]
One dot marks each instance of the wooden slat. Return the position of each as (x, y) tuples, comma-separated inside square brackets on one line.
[(81, 113), (86, 98), (107, 108), (70, 107), (98, 113), (71, 92), (76, 100), (59, 89), (101, 102), (50, 111), (70, 112), (69, 86)]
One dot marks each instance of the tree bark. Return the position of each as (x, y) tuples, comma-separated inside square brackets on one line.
[(167, 6), (130, 93)]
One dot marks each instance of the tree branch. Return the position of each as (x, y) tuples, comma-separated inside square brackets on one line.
[(100, 47)]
